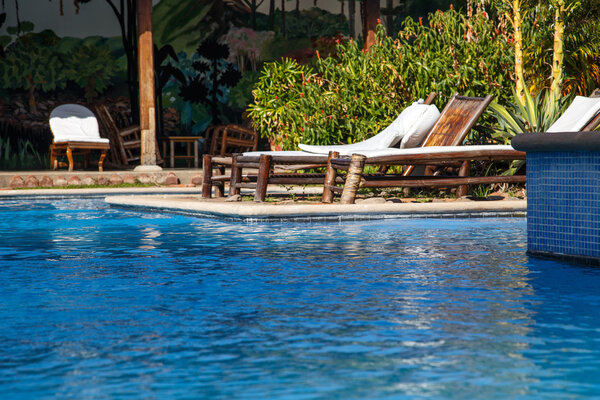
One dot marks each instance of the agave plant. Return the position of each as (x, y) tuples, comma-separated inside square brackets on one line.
[(536, 114)]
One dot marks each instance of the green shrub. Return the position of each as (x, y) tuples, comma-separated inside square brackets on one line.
[(354, 94), (32, 64), (23, 156), (91, 67)]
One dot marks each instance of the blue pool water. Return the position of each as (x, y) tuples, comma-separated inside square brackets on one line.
[(101, 303)]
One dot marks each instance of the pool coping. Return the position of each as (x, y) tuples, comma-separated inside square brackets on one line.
[(247, 211)]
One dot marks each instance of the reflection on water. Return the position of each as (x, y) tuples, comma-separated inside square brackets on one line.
[(106, 303)]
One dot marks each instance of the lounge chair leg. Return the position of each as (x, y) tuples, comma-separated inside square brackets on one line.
[(464, 171), (330, 175), (206, 176), (101, 161), (70, 158), (353, 179), (236, 174), (262, 180)]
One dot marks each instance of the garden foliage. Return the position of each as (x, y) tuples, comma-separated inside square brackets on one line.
[(354, 94), (34, 62)]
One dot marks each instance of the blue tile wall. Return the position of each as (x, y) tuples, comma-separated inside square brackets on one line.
[(563, 203)]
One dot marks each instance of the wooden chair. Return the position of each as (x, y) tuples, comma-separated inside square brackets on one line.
[(75, 131), (225, 140), (126, 141)]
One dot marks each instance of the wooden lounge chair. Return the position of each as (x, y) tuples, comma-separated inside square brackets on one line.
[(126, 141), (226, 140), (442, 147), (75, 131), (274, 167)]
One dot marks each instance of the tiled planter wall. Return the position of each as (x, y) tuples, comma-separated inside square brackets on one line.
[(563, 196)]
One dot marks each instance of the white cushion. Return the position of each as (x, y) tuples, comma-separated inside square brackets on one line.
[(581, 111), (435, 150), (73, 122), (415, 117), (416, 133)]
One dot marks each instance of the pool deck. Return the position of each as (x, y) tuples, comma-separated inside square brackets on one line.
[(372, 209), (184, 198)]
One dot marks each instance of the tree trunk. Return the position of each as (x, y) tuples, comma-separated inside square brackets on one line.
[(351, 17), (519, 78), (271, 21), (371, 13), (558, 53), (283, 18), (31, 92), (389, 19)]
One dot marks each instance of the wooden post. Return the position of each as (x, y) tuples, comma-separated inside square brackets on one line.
[(353, 178), (220, 185), (330, 175), (262, 180), (236, 177), (206, 176), (463, 171), (146, 83)]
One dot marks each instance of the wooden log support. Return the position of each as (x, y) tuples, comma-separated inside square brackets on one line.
[(330, 177), (464, 172), (146, 83), (262, 181), (206, 176), (353, 178), (219, 185), (236, 177)]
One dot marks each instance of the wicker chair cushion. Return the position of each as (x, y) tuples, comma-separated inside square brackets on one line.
[(74, 123)]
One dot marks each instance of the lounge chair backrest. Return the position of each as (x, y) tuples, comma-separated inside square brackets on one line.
[(593, 124), (457, 119), (73, 122), (577, 116)]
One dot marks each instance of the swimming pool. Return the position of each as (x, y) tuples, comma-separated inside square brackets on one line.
[(105, 303)]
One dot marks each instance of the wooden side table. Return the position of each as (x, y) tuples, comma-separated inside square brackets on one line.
[(191, 141)]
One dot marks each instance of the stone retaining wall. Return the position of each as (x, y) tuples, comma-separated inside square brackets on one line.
[(59, 179)]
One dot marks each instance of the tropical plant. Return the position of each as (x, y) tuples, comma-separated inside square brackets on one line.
[(164, 70), (125, 12), (22, 156), (32, 64), (536, 114), (91, 67), (213, 79), (240, 96), (354, 94)]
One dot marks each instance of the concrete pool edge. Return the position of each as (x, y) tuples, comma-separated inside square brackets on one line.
[(309, 212)]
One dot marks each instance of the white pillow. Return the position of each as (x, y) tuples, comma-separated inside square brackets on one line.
[(581, 111), (408, 120), (415, 133)]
